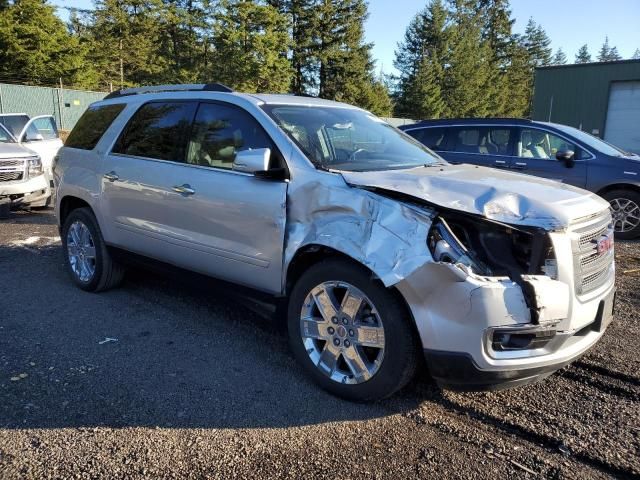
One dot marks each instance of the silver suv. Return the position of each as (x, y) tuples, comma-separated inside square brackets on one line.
[(381, 250)]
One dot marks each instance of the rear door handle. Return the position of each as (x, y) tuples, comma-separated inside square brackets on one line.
[(184, 189), (520, 165), (111, 176)]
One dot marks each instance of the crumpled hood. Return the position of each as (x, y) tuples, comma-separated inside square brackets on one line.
[(496, 194), (14, 150)]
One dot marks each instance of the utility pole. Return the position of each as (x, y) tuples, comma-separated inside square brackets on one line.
[(61, 105)]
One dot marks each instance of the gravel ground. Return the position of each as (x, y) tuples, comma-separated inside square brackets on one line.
[(161, 379)]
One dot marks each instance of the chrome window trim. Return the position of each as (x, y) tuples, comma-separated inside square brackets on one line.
[(183, 164), (508, 126)]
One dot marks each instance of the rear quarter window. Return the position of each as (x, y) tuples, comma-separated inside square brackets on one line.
[(92, 125)]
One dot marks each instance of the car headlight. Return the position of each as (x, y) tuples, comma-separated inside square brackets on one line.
[(490, 248), (34, 166)]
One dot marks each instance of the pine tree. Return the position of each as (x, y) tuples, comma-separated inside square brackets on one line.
[(538, 44), (36, 48), (583, 55), (559, 58), (301, 16), (125, 38), (421, 57), (607, 53), (467, 86), (251, 42), (182, 32), (636, 54), (518, 79)]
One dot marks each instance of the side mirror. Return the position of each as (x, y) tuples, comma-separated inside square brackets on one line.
[(33, 137), (252, 161), (566, 156)]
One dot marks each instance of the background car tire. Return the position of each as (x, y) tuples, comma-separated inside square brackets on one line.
[(615, 199), (108, 274), (401, 350)]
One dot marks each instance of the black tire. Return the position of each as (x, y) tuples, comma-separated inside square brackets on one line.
[(629, 195), (401, 348), (108, 274)]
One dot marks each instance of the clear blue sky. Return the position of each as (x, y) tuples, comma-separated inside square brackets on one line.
[(569, 23)]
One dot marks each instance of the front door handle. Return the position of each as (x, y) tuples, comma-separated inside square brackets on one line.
[(184, 189), (111, 176)]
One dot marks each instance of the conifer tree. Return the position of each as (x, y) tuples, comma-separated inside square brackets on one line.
[(538, 44), (636, 54), (36, 48), (607, 53), (583, 55), (250, 42), (559, 58)]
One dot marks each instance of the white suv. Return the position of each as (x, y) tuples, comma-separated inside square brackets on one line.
[(381, 250)]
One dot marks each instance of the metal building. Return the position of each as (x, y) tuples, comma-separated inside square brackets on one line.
[(66, 105), (600, 98)]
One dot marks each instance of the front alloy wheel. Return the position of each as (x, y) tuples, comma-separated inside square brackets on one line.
[(353, 336), (342, 332)]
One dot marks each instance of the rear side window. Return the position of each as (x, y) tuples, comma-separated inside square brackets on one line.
[(158, 130), (482, 140), (92, 125)]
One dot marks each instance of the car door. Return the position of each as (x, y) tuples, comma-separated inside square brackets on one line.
[(171, 194), (487, 146), (40, 134), (535, 154)]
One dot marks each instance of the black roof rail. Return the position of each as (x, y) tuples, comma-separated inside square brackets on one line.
[(192, 87)]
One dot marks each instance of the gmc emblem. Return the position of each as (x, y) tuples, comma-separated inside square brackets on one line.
[(604, 243)]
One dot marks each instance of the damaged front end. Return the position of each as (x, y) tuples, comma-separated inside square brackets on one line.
[(493, 251)]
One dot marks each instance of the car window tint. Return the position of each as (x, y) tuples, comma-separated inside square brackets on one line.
[(497, 141), (157, 130), (540, 144), (220, 132), (92, 125)]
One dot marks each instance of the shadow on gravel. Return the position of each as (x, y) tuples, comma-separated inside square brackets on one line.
[(43, 216), (156, 352)]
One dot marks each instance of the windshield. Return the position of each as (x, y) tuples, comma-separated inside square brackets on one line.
[(5, 136), (348, 139), (14, 123), (593, 142)]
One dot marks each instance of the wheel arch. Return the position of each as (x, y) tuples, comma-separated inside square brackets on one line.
[(619, 186), (68, 204), (312, 254)]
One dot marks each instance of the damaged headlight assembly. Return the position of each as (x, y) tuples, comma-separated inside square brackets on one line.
[(492, 249)]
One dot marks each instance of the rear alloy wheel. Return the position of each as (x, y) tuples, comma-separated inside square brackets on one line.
[(87, 258), (625, 209), (352, 335)]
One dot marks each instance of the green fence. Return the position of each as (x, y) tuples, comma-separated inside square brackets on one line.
[(64, 104)]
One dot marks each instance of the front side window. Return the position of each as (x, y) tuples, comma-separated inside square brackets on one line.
[(220, 132), (540, 144), (91, 126), (433, 138), (46, 126), (157, 130), (348, 139)]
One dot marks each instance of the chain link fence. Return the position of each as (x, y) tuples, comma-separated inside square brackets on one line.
[(64, 104)]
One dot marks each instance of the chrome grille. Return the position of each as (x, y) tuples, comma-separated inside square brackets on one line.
[(10, 176), (592, 269), (11, 163)]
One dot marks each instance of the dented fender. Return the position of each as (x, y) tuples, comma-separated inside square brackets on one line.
[(387, 236)]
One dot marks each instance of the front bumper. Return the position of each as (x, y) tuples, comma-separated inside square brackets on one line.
[(457, 316), (458, 371), (33, 192)]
